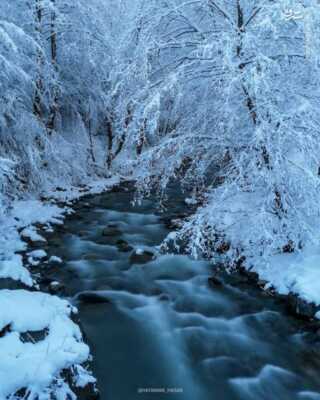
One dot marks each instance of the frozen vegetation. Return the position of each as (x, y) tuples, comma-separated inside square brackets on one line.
[(219, 95)]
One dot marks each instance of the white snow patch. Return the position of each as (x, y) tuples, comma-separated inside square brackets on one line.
[(172, 236), (83, 377), (38, 254), (29, 212), (33, 262), (55, 260), (35, 365), (93, 187), (14, 269), (297, 273), (21, 216), (139, 251), (190, 201), (32, 234)]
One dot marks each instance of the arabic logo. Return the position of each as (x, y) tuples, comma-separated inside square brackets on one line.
[(290, 15)]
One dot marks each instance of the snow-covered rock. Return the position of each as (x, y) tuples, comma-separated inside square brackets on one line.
[(30, 233), (55, 260), (13, 268), (37, 254)]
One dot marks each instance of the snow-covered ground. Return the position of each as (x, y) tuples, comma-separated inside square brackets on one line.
[(231, 228), (297, 273), (29, 364), (38, 365)]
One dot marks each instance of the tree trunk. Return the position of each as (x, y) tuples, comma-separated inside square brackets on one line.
[(109, 128), (250, 103), (39, 86), (53, 45), (141, 139)]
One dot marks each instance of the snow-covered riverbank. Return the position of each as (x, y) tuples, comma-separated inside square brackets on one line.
[(38, 339), (159, 320), (38, 335), (294, 273)]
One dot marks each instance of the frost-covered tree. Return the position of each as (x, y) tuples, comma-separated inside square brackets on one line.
[(229, 104), (55, 87), (221, 95), (268, 200)]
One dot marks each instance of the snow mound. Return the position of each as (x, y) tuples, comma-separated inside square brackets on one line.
[(32, 234), (28, 212), (38, 254), (14, 269), (55, 260), (92, 187), (21, 217), (36, 366), (297, 273)]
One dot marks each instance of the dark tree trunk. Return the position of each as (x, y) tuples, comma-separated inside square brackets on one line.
[(250, 103), (122, 140), (39, 86), (51, 123), (89, 126), (109, 128), (141, 139)]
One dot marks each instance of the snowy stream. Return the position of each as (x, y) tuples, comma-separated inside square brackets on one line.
[(159, 331)]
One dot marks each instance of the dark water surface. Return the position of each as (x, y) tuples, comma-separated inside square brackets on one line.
[(162, 328)]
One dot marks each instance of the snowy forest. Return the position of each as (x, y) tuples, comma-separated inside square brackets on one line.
[(217, 99)]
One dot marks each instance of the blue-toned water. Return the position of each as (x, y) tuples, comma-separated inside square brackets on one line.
[(157, 330)]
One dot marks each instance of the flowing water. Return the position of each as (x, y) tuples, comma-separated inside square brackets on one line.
[(158, 331)]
